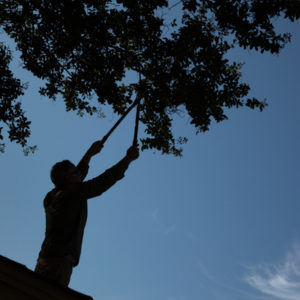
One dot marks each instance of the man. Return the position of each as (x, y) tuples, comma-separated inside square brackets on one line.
[(66, 211)]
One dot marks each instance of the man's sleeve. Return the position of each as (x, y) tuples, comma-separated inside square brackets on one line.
[(83, 169), (103, 182)]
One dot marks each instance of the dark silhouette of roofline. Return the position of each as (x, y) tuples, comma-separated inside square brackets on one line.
[(17, 282)]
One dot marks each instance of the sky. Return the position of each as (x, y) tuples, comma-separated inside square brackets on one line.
[(220, 223)]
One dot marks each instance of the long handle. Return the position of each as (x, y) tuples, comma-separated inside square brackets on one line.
[(137, 119), (119, 121)]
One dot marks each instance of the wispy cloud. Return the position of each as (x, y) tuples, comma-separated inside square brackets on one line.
[(166, 229), (155, 215), (170, 229), (219, 288), (279, 280)]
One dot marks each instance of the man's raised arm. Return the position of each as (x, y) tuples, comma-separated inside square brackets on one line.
[(83, 165), (100, 184)]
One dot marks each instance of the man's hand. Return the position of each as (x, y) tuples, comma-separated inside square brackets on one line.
[(95, 148), (132, 153)]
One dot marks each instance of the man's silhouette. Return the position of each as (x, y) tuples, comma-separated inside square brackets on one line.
[(66, 211)]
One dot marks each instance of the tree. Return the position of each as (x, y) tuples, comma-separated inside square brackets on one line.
[(83, 49), (11, 113)]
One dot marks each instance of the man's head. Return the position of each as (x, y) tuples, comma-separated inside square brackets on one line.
[(63, 173)]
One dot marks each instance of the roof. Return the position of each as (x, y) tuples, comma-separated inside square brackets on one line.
[(18, 282)]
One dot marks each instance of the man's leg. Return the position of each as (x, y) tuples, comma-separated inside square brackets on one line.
[(58, 269)]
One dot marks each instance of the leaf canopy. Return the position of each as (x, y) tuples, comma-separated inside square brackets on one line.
[(84, 49)]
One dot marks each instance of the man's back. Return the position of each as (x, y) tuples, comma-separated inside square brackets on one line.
[(66, 216)]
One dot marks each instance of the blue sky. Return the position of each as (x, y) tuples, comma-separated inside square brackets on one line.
[(222, 222)]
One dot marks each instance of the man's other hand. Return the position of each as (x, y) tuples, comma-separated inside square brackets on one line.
[(133, 153), (95, 148)]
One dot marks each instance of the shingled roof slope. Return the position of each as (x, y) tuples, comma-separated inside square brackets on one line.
[(17, 282)]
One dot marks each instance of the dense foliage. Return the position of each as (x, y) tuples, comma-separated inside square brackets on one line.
[(84, 48), (11, 113)]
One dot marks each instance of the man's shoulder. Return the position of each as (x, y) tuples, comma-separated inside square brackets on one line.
[(54, 196), (58, 196), (49, 197)]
